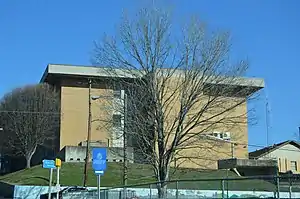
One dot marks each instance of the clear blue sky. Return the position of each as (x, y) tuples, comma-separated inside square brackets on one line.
[(35, 33)]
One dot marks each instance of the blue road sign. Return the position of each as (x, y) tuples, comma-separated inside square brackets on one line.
[(99, 159), (49, 164)]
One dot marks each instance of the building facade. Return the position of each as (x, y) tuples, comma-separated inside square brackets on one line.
[(73, 85), (287, 155)]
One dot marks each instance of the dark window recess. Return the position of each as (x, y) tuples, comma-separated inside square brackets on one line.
[(78, 159), (117, 93), (117, 121)]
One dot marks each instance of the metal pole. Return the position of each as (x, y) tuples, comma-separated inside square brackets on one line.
[(232, 150), (278, 186), (98, 185), (223, 187), (125, 163), (150, 190), (50, 183), (227, 183), (177, 194), (87, 153), (290, 186), (57, 182)]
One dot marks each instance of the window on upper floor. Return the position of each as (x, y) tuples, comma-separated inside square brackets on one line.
[(293, 165), (117, 120), (117, 94), (221, 135)]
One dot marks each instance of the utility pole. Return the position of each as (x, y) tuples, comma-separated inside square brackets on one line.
[(87, 153), (232, 150), (125, 162)]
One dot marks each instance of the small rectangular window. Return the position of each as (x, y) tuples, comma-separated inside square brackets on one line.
[(294, 165), (117, 121), (117, 93)]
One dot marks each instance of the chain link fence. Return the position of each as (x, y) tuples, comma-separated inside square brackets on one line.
[(243, 187)]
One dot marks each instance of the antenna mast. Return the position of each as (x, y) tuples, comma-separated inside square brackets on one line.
[(267, 120), (268, 114)]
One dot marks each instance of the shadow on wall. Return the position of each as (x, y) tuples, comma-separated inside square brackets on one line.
[(6, 190)]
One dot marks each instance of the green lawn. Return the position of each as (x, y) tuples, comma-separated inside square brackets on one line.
[(71, 174)]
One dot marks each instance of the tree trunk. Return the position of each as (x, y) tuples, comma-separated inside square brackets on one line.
[(163, 179), (162, 190), (28, 158)]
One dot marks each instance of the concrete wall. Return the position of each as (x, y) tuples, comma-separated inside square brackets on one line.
[(284, 155), (33, 192), (78, 153)]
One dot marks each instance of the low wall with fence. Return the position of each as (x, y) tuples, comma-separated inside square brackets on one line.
[(250, 187), (243, 187)]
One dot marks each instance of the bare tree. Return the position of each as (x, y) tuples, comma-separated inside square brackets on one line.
[(30, 118), (179, 88)]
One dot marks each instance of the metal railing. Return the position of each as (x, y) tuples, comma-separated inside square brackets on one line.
[(242, 187)]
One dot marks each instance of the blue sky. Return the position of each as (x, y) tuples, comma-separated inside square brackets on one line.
[(36, 33)]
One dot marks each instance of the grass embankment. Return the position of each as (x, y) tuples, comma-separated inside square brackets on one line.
[(71, 174)]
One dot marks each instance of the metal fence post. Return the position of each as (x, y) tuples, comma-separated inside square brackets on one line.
[(103, 194), (278, 186), (290, 186), (227, 187), (223, 187), (177, 189), (150, 191)]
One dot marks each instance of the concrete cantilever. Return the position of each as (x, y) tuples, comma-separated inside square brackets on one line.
[(56, 71)]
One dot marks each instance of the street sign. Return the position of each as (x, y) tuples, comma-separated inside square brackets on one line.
[(49, 164), (99, 159), (58, 162)]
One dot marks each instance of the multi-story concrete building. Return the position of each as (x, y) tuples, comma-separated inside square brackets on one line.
[(72, 83)]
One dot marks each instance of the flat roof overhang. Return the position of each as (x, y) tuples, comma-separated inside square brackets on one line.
[(58, 71)]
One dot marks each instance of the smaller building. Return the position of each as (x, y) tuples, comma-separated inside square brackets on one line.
[(287, 155)]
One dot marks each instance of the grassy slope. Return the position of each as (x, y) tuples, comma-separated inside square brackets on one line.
[(71, 174)]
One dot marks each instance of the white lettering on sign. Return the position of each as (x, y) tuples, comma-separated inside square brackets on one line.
[(99, 161)]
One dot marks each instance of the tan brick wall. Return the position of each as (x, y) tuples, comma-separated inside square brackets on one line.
[(74, 120), (74, 109), (205, 153)]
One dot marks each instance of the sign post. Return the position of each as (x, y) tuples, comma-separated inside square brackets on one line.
[(49, 164), (99, 165), (58, 165)]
